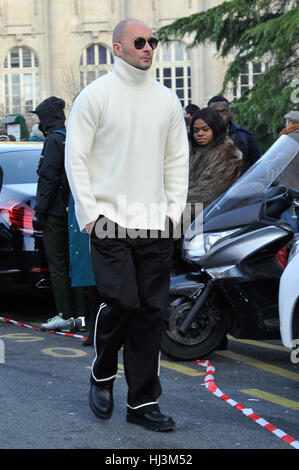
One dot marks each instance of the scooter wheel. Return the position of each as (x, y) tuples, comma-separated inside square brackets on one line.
[(206, 333)]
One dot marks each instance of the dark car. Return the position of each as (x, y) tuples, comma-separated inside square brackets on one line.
[(23, 262)]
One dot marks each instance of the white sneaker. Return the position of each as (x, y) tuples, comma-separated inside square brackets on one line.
[(59, 324)]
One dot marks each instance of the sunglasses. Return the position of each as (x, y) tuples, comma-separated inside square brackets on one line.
[(139, 43)]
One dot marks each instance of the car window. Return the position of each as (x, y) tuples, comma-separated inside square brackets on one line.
[(20, 166)]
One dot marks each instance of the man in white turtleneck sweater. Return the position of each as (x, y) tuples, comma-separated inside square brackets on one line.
[(127, 165)]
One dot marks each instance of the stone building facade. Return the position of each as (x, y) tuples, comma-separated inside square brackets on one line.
[(56, 47)]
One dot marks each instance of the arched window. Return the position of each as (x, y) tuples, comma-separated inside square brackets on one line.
[(173, 69), (21, 80), (96, 60)]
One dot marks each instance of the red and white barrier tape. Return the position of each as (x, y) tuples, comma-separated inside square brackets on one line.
[(212, 387), (208, 383), (13, 322)]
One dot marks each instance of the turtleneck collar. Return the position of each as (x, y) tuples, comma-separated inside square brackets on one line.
[(131, 76)]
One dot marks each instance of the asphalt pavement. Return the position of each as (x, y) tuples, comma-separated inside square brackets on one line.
[(45, 386)]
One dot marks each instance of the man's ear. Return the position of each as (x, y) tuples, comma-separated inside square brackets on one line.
[(117, 49)]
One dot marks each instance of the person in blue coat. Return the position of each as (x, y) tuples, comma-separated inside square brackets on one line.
[(81, 270)]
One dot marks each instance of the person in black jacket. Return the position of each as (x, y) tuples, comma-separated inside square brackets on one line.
[(51, 212), (242, 137)]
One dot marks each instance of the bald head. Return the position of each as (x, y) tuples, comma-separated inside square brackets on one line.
[(120, 28), (124, 47)]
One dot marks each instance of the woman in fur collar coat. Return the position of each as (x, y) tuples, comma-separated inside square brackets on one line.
[(215, 161)]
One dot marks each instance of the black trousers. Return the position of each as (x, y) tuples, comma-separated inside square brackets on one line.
[(70, 301), (132, 276)]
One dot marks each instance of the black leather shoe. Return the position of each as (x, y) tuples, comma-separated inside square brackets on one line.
[(149, 419), (101, 401)]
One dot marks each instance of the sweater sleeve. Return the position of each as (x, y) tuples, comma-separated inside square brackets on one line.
[(82, 127), (176, 163)]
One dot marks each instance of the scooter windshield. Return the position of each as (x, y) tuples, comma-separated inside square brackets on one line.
[(253, 184)]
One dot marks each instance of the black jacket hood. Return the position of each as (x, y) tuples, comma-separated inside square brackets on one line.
[(51, 114)]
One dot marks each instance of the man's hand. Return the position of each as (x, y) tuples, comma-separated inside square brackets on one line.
[(89, 227)]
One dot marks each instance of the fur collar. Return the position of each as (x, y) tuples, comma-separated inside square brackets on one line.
[(213, 169)]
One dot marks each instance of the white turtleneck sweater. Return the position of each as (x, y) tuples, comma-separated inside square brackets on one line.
[(127, 151)]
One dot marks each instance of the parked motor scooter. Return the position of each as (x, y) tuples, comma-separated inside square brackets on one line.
[(289, 302), (231, 275)]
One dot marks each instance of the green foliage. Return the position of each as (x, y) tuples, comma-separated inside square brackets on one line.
[(251, 30)]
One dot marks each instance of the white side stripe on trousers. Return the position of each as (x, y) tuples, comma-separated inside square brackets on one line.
[(103, 305)]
